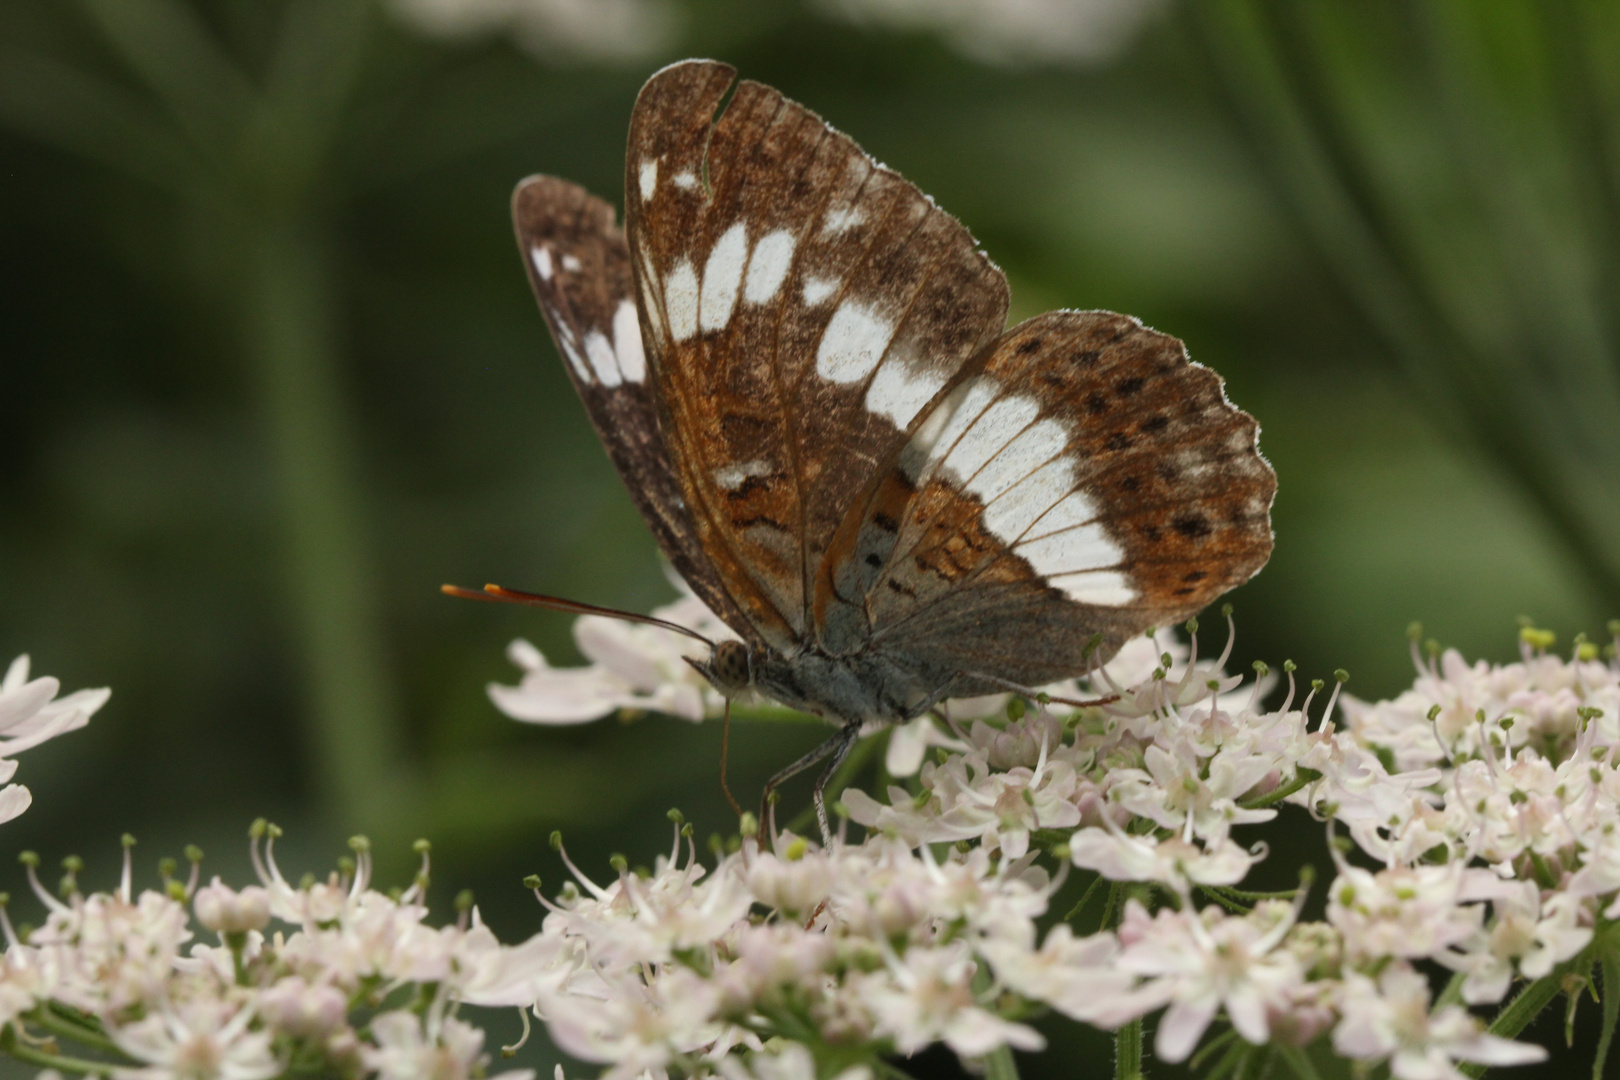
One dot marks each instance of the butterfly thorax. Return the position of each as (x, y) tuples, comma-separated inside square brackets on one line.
[(864, 686)]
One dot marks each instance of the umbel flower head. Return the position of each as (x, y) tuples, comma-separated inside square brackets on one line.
[(31, 713), (1471, 825), (1477, 809)]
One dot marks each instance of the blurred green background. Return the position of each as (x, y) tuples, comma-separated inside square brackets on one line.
[(270, 371)]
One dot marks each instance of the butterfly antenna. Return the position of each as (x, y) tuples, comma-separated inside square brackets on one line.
[(500, 594), (725, 745)]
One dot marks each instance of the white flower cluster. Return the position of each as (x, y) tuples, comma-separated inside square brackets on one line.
[(1013, 31), (31, 713), (1480, 810), (1482, 805), (351, 982), (602, 30)]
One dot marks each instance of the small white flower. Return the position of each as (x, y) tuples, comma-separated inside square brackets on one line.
[(634, 666), (1078, 977), (29, 715), (1407, 912), (792, 1061), (1391, 1019), (302, 1009), (405, 1051), (1207, 962), (1119, 856), (926, 996), (199, 1039), (610, 30)]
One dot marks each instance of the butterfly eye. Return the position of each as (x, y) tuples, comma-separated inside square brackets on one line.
[(731, 667)]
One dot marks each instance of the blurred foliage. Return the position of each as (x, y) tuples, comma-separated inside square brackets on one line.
[(272, 373)]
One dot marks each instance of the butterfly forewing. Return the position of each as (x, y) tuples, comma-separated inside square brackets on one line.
[(579, 267), (1089, 480), (804, 308)]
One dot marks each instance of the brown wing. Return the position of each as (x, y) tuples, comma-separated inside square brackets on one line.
[(803, 307), (579, 266), (1091, 480)]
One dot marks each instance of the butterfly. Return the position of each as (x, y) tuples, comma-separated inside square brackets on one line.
[(800, 366)]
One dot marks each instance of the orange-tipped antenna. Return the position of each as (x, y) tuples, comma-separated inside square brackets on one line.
[(500, 594)]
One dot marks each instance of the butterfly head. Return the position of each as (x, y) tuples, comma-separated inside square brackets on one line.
[(729, 667)]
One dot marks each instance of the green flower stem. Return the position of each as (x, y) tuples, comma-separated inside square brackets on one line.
[(1452, 994), (10, 1044), (1297, 1060), (1128, 1051), (47, 1017), (1085, 898), (1301, 778), (999, 1064), (1517, 1014), (289, 327), (1609, 962)]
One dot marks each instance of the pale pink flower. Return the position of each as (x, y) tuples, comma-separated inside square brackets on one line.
[(1205, 962), (30, 714), (633, 666), (1390, 1019), (197, 1038)]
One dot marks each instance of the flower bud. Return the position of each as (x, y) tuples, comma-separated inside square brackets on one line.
[(298, 1008), (791, 886), (226, 911)]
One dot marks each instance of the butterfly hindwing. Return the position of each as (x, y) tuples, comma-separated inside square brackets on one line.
[(1089, 480), (579, 266), (803, 307)]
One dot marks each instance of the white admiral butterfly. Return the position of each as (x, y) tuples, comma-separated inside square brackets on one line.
[(800, 366)]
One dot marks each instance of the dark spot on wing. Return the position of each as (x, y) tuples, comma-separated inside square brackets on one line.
[(1128, 387), (1195, 575), (1130, 483), (1029, 345), (1086, 358), (1191, 526), (1157, 423), (885, 522), (1097, 403), (874, 561), (1118, 441)]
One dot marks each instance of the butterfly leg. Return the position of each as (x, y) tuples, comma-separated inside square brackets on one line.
[(1033, 694), (835, 750), (725, 746)]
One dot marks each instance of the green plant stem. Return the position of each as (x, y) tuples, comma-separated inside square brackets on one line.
[(1301, 778), (1128, 1051), (289, 330), (1000, 1065), (1297, 1060), (68, 1028), (1517, 1014), (1609, 964), (10, 1044)]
